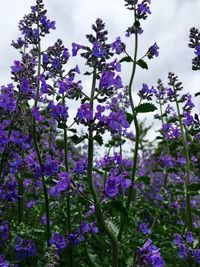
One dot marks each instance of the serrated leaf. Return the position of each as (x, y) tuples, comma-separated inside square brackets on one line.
[(142, 64), (126, 59), (145, 179), (145, 107)]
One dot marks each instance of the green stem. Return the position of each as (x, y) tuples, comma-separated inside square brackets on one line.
[(71, 260), (167, 145), (4, 152), (131, 193), (98, 211), (38, 152), (188, 214), (21, 198)]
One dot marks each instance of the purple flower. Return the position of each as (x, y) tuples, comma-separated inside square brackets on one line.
[(170, 132), (58, 111), (4, 233), (197, 255), (188, 118), (3, 262), (182, 251), (94, 228), (51, 167), (111, 187), (31, 204), (115, 65), (56, 63), (36, 114), (44, 220), (24, 86), (117, 121), (125, 183), (58, 240), (84, 113), (108, 79), (85, 227), (143, 8), (149, 255), (144, 229), (97, 50), (75, 238), (197, 50), (66, 54), (7, 100), (45, 59), (17, 67), (188, 104), (189, 237), (167, 160), (177, 239), (62, 185), (76, 48), (153, 51), (117, 46), (146, 92), (24, 249), (46, 23)]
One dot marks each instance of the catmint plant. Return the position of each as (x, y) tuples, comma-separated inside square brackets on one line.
[(91, 189)]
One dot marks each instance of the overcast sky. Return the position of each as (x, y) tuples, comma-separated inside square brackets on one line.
[(168, 25)]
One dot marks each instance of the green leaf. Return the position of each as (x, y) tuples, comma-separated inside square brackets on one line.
[(126, 59), (99, 139), (193, 187), (113, 227), (62, 125), (137, 24), (197, 94), (142, 64), (145, 107), (172, 120), (145, 179), (171, 170), (117, 205), (129, 117), (77, 140), (72, 130)]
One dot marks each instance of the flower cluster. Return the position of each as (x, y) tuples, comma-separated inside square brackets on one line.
[(185, 246), (149, 255)]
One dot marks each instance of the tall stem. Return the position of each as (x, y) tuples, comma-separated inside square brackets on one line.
[(71, 260), (38, 151), (188, 214), (21, 198), (99, 214), (167, 145), (137, 133)]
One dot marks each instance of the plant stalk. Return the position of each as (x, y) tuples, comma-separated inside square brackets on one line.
[(70, 251), (98, 211), (131, 192), (188, 214)]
